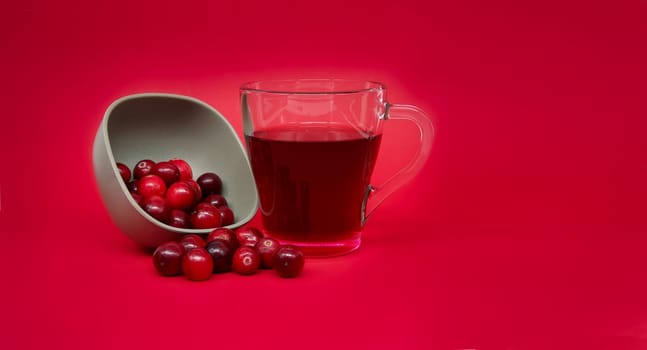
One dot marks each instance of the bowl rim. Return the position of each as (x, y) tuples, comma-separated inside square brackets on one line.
[(122, 185)]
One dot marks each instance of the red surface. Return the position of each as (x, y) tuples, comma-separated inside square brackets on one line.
[(526, 230)]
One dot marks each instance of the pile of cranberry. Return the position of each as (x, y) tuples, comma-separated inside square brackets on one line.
[(244, 251), (167, 192)]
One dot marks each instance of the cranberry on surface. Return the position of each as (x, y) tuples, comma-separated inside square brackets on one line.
[(288, 261), (248, 236), (197, 264), (267, 248), (192, 241), (222, 254), (167, 259), (224, 234), (246, 261)]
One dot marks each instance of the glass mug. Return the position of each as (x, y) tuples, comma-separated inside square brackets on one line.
[(312, 145)]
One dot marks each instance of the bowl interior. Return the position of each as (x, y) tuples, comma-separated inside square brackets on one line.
[(160, 127)]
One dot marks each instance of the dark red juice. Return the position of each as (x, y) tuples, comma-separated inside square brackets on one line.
[(312, 180)]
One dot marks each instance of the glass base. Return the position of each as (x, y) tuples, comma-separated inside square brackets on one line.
[(317, 249)]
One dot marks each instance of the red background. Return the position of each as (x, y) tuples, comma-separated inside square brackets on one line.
[(525, 230)]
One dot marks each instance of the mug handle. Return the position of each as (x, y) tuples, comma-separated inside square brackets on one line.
[(375, 195)]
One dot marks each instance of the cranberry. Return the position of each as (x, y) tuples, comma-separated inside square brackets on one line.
[(197, 264), (205, 216), (167, 171), (151, 185), (185, 169), (267, 248), (224, 234), (192, 241), (133, 186), (288, 261), (143, 168), (246, 261), (222, 254), (248, 236), (196, 188), (210, 183), (167, 259), (216, 200), (124, 171), (179, 218), (203, 205), (227, 216), (156, 207), (138, 198), (180, 195)]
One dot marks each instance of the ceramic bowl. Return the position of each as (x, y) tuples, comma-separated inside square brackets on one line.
[(161, 127)]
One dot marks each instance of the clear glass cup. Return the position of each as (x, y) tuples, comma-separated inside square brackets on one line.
[(313, 144)]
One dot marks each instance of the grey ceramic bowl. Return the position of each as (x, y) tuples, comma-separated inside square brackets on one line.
[(160, 127)]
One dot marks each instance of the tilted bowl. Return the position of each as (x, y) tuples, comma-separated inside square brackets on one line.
[(161, 127)]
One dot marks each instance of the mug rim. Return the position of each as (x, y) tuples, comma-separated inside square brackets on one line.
[(336, 86)]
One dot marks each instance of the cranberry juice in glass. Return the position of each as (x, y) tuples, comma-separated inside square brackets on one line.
[(312, 146), (313, 180)]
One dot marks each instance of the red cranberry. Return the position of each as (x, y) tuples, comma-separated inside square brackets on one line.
[(179, 218), (156, 207), (197, 264), (224, 234), (133, 186), (180, 195), (185, 169), (151, 185), (248, 236), (138, 198), (246, 261), (143, 168), (196, 188), (205, 216), (210, 183), (267, 248), (167, 171), (216, 200), (288, 261), (222, 254), (203, 205), (167, 259), (227, 216), (124, 171), (192, 241)]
